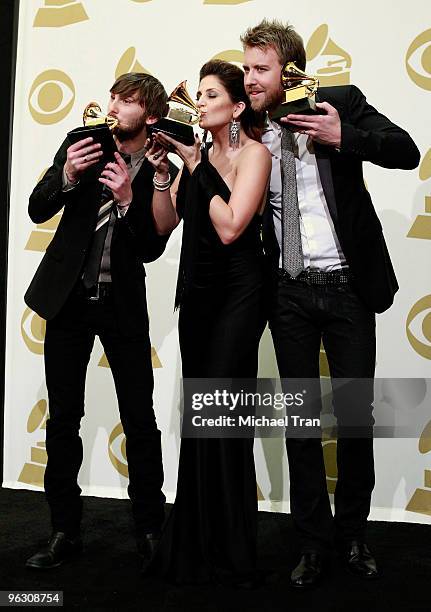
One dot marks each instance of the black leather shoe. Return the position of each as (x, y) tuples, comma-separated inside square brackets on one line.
[(147, 544), (360, 561), (308, 571), (60, 548)]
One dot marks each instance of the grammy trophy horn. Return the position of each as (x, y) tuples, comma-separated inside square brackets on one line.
[(93, 116)]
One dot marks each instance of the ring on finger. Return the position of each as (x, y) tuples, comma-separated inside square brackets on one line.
[(156, 155), (86, 158)]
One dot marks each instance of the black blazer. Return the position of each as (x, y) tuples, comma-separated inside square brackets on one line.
[(366, 135), (134, 241)]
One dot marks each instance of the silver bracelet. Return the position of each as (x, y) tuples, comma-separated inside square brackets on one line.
[(158, 188), (162, 184)]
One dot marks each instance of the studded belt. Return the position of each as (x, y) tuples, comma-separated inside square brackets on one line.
[(314, 276)]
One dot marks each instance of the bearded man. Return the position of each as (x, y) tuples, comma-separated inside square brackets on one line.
[(91, 282), (330, 272)]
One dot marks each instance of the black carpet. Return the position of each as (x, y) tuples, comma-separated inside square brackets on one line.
[(107, 576)]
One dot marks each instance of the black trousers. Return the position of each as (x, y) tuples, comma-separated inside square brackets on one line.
[(68, 343), (301, 316)]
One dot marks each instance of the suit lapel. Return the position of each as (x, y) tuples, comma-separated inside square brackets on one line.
[(325, 172)]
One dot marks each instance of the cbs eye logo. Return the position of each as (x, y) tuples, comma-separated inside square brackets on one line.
[(418, 60), (33, 331), (51, 97), (117, 450), (418, 327)]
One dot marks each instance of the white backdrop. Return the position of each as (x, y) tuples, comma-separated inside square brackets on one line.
[(70, 52)]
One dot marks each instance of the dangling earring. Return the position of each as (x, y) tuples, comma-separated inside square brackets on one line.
[(204, 140), (234, 128)]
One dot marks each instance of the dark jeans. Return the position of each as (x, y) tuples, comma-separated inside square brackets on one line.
[(301, 317), (68, 343)]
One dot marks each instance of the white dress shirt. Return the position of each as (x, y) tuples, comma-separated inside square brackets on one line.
[(320, 244)]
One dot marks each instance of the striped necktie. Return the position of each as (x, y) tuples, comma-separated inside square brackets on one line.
[(107, 206)]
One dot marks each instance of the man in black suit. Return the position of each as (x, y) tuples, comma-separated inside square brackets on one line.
[(91, 282), (331, 273)]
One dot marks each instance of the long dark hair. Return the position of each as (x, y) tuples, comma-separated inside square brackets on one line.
[(232, 79)]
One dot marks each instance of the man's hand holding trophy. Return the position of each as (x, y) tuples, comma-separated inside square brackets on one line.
[(300, 112), (87, 142)]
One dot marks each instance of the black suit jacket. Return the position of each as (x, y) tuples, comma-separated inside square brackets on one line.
[(366, 135), (134, 241)]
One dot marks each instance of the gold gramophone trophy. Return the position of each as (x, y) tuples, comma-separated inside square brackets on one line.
[(299, 92), (99, 126), (182, 115)]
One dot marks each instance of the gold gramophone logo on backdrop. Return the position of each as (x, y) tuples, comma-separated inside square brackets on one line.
[(40, 237), (59, 13), (117, 450), (329, 446), (421, 499), (156, 363), (330, 63), (128, 63), (33, 331), (421, 227), (234, 56), (329, 435), (418, 327), (232, 2), (418, 60), (34, 470), (51, 97)]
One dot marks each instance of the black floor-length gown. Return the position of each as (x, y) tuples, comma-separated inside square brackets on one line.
[(211, 532)]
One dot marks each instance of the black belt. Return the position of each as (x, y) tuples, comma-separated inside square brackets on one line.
[(314, 276), (97, 293)]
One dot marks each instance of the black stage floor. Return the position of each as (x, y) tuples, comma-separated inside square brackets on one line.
[(107, 576)]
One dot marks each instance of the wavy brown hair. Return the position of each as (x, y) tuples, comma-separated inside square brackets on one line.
[(150, 92)]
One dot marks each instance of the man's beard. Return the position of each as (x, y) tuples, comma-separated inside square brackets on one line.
[(131, 131), (269, 102)]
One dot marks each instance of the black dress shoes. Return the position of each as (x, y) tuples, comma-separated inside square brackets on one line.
[(147, 544), (308, 571), (360, 561), (60, 548)]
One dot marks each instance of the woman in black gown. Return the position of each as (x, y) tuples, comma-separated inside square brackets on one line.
[(211, 531)]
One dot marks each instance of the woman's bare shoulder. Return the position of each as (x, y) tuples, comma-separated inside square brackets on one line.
[(253, 151)]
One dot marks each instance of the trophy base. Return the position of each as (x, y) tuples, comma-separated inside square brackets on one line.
[(99, 133), (304, 106), (178, 131)]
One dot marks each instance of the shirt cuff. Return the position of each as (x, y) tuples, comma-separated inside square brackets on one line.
[(67, 185), (122, 210)]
